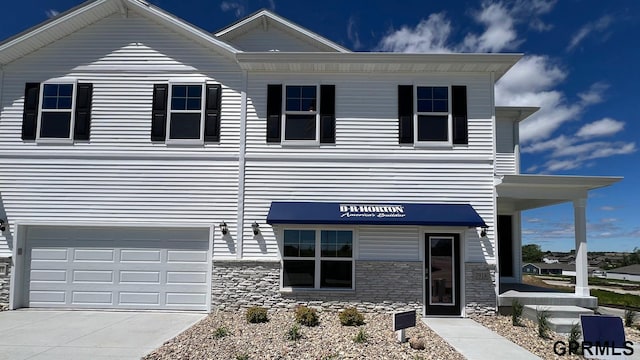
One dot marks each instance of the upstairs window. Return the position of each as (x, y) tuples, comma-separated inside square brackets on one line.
[(57, 111), (301, 115), (437, 120), (305, 115), (186, 113)]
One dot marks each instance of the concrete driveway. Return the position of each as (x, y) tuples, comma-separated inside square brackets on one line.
[(42, 334)]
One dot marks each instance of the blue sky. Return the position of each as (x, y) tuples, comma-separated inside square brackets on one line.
[(580, 66)]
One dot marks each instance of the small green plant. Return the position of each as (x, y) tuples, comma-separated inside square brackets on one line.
[(516, 313), (331, 357), (351, 317), (574, 336), (221, 332), (242, 357), (306, 316), (629, 317), (418, 357), (257, 314), (294, 334), (543, 323), (361, 337)]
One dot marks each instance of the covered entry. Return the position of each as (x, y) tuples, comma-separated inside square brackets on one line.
[(146, 268)]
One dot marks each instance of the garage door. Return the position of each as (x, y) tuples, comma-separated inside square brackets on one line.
[(117, 268)]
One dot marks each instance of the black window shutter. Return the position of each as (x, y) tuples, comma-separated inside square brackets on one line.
[(212, 113), (159, 112), (30, 113), (405, 114), (82, 125), (328, 114), (274, 112), (459, 113)]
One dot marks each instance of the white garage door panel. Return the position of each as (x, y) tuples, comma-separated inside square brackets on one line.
[(118, 268)]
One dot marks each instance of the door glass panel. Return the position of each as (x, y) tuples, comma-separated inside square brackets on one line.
[(441, 264)]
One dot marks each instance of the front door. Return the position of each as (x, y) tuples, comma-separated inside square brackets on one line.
[(442, 274)]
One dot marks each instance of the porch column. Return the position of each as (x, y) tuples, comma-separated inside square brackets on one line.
[(580, 224)]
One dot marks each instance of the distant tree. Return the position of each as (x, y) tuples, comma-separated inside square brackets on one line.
[(532, 253)]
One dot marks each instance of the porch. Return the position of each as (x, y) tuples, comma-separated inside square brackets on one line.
[(517, 193), (534, 295)]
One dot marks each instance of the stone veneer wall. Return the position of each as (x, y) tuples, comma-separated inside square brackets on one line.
[(5, 279), (383, 286), (480, 291)]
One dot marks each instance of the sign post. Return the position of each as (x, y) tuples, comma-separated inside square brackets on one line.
[(402, 321)]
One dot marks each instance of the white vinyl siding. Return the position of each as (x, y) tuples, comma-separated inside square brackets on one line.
[(258, 39), (367, 116), (505, 148), (120, 175), (367, 181), (401, 243)]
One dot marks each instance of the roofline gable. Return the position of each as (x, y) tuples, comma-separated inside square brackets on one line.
[(262, 18), (91, 11)]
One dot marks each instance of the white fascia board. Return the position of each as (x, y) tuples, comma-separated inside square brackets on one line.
[(558, 181), (180, 25), (285, 24)]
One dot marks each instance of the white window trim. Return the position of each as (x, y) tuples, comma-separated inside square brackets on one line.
[(203, 102), (283, 124), (416, 142), (72, 121), (317, 259)]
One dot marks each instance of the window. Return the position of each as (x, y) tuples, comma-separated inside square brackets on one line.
[(186, 113), (432, 120), (440, 116), (305, 112), (58, 110), (318, 259)]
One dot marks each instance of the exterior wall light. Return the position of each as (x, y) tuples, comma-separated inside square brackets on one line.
[(224, 228), (3, 225), (256, 228), (483, 233)]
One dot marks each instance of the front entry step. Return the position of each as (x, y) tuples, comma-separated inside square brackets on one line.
[(561, 317)]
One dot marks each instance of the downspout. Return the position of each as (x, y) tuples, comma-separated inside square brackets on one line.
[(241, 165)]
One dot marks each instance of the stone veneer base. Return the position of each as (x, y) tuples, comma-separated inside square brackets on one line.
[(5, 282)]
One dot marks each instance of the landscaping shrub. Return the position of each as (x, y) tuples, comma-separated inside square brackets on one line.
[(351, 317), (543, 323), (361, 337), (574, 336), (516, 313), (242, 357), (221, 332), (306, 316), (629, 317), (257, 314), (417, 343), (294, 334)]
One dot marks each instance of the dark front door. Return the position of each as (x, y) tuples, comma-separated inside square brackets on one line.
[(505, 245), (442, 274)]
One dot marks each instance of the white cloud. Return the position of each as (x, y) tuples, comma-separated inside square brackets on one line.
[(52, 13), (499, 33), (352, 33), (236, 6), (603, 127), (607, 208), (599, 25), (429, 36)]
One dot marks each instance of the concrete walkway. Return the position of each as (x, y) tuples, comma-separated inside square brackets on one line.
[(475, 341), (52, 335)]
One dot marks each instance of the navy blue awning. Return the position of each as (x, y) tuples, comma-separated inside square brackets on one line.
[(373, 214)]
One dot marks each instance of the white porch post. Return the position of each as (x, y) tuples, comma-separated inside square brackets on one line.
[(580, 224)]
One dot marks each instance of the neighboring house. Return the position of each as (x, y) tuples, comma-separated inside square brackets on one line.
[(548, 269), (630, 272), (148, 164)]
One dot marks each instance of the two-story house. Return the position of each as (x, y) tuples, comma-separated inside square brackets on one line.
[(148, 164)]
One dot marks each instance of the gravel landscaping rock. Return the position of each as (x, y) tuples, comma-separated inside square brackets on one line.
[(227, 335)]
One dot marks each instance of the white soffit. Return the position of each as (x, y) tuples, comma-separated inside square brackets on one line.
[(515, 113), (556, 181)]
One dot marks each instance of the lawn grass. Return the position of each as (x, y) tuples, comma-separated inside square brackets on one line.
[(611, 298)]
